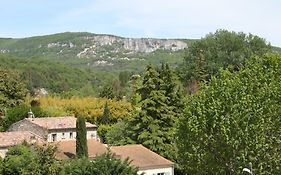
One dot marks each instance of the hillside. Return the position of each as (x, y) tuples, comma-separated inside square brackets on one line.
[(97, 51), (65, 61)]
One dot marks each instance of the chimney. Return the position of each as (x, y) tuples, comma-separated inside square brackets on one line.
[(30, 114)]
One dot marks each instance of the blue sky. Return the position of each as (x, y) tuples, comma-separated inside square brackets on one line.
[(141, 18)]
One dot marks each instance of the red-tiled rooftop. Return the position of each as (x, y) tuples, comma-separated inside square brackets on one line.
[(67, 149), (17, 137), (140, 156), (57, 122)]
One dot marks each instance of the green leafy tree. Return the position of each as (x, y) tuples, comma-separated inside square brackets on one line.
[(217, 50), (18, 113), (30, 159), (12, 89), (233, 121), (81, 138), (102, 130), (118, 134)]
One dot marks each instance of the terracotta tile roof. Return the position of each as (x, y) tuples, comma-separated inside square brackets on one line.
[(17, 137), (57, 122), (140, 156), (67, 149)]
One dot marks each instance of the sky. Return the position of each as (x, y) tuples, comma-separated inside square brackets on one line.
[(141, 18)]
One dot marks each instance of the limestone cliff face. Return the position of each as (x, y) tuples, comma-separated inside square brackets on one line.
[(145, 45)]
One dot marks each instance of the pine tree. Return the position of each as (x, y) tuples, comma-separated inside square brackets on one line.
[(154, 125), (81, 138), (105, 118)]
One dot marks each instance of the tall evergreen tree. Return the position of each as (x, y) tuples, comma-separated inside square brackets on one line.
[(154, 125), (81, 138), (105, 118)]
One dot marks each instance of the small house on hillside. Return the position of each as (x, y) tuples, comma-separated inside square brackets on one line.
[(9, 139), (53, 128)]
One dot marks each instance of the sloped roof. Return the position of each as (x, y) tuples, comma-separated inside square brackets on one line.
[(17, 137), (141, 156), (67, 149), (57, 122)]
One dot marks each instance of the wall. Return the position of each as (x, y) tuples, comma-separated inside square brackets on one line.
[(64, 134), (166, 171), (25, 125)]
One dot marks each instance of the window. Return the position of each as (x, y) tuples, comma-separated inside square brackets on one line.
[(54, 137), (160, 173), (71, 135)]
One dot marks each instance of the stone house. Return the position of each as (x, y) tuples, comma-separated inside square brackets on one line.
[(53, 129)]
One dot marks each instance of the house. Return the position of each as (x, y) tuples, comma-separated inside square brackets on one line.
[(148, 162), (9, 139), (53, 128)]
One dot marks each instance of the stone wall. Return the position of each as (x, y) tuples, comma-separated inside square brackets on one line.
[(25, 125)]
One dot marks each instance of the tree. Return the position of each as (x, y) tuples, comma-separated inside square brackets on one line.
[(219, 50), (107, 92), (12, 89), (105, 118), (233, 121), (30, 159), (18, 113), (81, 138), (154, 124)]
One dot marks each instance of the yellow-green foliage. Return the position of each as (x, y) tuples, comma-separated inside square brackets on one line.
[(89, 107)]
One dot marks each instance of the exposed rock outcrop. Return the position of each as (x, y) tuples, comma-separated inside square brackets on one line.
[(145, 45)]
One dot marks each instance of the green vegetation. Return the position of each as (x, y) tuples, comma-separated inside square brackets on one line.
[(18, 113), (217, 50), (53, 76), (40, 160), (12, 89), (26, 159), (230, 116), (105, 164), (81, 138), (153, 125), (233, 121)]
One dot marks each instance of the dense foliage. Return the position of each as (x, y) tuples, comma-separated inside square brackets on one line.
[(89, 107), (233, 121), (43, 73), (12, 89), (27, 159), (153, 124), (81, 138), (40, 160), (219, 50), (18, 113)]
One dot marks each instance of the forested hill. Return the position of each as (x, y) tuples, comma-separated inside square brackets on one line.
[(99, 51), (65, 61)]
